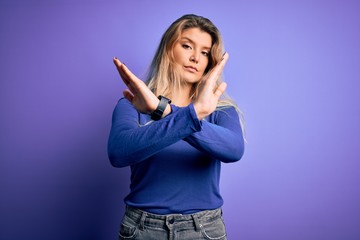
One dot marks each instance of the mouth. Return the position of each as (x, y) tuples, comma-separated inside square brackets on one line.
[(191, 69)]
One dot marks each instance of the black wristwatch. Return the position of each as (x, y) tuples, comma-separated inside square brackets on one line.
[(157, 114)]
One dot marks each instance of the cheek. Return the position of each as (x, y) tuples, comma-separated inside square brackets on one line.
[(178, 55), (204, 65)]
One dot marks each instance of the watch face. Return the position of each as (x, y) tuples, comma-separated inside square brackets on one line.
[(160, 97)]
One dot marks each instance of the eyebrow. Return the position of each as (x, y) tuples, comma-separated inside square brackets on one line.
[(186, 38)]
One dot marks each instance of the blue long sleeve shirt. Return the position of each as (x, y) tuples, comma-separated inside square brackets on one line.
[(175, 162)]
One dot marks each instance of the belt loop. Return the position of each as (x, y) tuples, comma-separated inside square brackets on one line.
[(142, 220), (196, 222)]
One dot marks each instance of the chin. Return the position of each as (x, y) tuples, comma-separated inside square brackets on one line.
[(191, 80)]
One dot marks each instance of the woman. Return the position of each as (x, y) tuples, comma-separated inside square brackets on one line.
[(174, 132)]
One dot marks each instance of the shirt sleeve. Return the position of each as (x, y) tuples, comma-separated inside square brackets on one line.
[(130, 142), (221, 137)]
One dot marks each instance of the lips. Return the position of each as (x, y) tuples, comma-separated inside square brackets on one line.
[(191, 69)]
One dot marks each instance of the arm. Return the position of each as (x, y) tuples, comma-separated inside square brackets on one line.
[(222, 139), (146, 102), (130, 143)]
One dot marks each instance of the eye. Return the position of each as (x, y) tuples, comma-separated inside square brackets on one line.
[(206, 54), (185, 46)]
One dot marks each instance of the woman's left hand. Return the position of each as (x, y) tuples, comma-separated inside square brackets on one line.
[(141, 97), (209, 93)]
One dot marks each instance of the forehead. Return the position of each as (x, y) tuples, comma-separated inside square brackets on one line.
[(197, 36)]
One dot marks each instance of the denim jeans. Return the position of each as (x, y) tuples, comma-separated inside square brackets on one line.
[(141, 225)]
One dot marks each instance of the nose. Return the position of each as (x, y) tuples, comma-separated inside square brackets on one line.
[(194, 57)]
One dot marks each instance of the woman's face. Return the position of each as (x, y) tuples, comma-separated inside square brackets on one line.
[(191, 54)]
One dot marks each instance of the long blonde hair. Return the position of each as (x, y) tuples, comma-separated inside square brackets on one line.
[(163, 77)]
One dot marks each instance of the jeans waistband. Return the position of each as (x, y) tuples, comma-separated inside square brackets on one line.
[(143, 218)]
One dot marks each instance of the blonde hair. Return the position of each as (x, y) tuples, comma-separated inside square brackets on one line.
[(163, 77)]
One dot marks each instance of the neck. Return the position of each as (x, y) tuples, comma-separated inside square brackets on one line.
[(181, 98)]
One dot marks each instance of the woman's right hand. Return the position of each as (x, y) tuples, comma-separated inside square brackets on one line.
[(141, 97), (209, 93)]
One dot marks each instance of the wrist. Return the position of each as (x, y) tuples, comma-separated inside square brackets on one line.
[(167, 110), (162, 109), (199, 113)]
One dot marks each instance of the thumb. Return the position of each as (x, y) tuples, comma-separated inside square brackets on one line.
[(128, 95)]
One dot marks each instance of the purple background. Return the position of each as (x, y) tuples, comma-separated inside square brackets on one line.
[(293, 69)]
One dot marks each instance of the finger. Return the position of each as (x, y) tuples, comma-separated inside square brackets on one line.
[(220, 66), (124, 77), (130, 76), (220, 90), (116, 62), (217, 70), (128, 95), (225, 56), (118, 65), (130, 80), (130, 83)]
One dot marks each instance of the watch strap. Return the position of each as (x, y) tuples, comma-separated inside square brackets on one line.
[(159, 111)]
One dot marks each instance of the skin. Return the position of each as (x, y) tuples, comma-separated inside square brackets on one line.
[(190, 55)]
